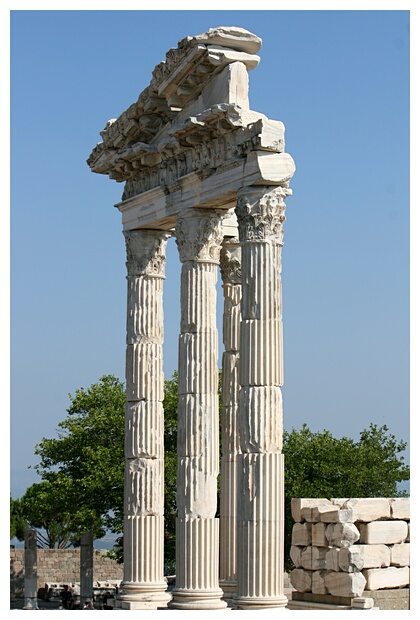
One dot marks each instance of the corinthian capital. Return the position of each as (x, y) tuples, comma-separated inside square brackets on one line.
[(199, 235), (230, 261), (261, 212), (146, 251)]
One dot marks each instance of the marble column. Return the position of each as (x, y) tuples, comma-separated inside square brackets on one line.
[(198, 236), (31, 569), (144, 586), (86, 568), (261, 213), (230, 267)]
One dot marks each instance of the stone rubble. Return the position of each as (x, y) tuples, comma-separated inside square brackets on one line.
[(342, 547)]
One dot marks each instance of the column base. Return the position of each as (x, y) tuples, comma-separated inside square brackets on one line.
[(30, 604), (249, 602), (140, 596), (229, 590), (197, 599)]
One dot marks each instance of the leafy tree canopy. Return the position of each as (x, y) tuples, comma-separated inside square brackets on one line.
[(320, 465), (84, 465), (83, 468), (49, 506), (17, 520), (170, 406)]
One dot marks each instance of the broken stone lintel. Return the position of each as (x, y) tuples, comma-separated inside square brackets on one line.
[(180, 79), (210, 139)]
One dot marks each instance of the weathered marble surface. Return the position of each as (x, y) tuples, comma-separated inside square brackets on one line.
[(230, 268), (199, 238), (198, 164), (143, 586), (190, 140), (338, 550)]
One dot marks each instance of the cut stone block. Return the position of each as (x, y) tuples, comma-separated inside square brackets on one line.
[(340, 501), (298, 503), (306, 558), (345, 584), (318, 582), (313, 558), (338, 515), (362, 602), (296, 555), (295, 506), (349, 559), (342, 534), (318, 558), (391, 577), (301, 534), (331, 559), (327, 513), (383, 532), (318, 535), (391, 599), (301, 580), (400, 508), (310, 514), (370, 509), (400, 554), (374, 556)]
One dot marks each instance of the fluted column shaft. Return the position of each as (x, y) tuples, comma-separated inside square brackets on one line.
[(198, 236), (230, 267), (144, 585), (261, 213)]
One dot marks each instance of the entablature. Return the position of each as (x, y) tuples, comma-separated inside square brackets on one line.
[(191, 140)]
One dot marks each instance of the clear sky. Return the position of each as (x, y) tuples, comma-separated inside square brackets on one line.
[(339, 80)]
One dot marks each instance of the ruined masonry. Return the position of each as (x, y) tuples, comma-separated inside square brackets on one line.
[(200, 166), (349, 548)]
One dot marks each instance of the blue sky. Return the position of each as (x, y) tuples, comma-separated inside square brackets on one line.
[(339, 80)]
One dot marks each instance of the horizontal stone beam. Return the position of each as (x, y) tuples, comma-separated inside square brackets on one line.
[(158, 208)]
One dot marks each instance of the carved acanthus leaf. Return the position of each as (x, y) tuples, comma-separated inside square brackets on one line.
[(261, 213), (146, 251), (230, 262), (199, 235)]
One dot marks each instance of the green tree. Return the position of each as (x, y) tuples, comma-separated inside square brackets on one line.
[(320, 465), (84, 465), (48, 506), (170, 406), (17, 520)]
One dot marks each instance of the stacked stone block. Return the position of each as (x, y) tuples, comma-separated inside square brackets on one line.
[(61, 566), (347, 547)]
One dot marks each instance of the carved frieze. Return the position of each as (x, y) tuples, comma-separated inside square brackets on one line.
[(220, 136)]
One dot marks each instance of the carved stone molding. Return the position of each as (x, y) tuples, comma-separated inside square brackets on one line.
[(221, 134), (199, 235), (146, 251), (261, 212)]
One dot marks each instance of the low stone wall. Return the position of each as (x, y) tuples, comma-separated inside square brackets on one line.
[(350, 547), (61, 566)]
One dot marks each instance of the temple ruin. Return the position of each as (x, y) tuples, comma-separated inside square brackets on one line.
[(200, 166)]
